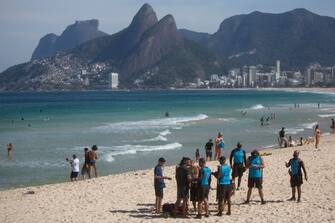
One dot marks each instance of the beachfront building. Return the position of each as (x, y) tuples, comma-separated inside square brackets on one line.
[(113, 80), (278, 70), (252, 76)]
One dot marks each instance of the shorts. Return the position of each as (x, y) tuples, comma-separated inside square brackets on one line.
[(209, 154), (255, 182), (183, 192), (194, 192), (92, 162), (203, 192), (74, 174), (159, 192), (296, 180), (224, 192), (238, 170)]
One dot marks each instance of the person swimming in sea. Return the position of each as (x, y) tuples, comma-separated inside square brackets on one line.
[(167, 114)]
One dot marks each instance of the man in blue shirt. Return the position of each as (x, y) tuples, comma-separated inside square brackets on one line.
[(256, 165), (296, 181), (239, 157), (224, 186), (159, 184), (204, 179)]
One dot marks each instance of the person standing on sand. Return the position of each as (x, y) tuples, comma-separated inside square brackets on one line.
[(219, 144), (204, 179), (183, 178), (84, 169), (197, 155), (317, 134), (208, 149), (256, 165), (10, 151), (332, 125), (194, 184), (92, 155), (74, 167), (240, 159), (224, 186), (296, 181), (159, 184), (281, 138)]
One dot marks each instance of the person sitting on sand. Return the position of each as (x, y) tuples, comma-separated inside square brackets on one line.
[(84, 169), (291, 142), (301, 141), (74, 162), (317, 133), (204, 179), (332, 125), (208, 149), (194, 184), (183, 178), (219, 144), (256, 165), (282, 138), (10, 150), (239, 157), (224, 186), (92, 161), (296, 181), (159, 184)]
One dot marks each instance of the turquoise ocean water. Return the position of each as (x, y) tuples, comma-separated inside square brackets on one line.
[(131, 131)]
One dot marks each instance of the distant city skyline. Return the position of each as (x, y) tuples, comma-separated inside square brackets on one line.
[(23, 22)]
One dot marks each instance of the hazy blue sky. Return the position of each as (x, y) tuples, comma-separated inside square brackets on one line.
[(24, 22)]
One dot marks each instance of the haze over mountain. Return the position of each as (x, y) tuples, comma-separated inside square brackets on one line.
[(73, 35), (152, 53)]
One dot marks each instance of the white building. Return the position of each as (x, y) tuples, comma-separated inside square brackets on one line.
[(113, 80), (278, 70), (252, 76)]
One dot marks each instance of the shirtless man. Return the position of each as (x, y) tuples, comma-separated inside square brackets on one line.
[(296, 181), (92, 155), (10, 151)]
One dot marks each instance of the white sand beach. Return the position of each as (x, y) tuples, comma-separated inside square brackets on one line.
[(129, 197)]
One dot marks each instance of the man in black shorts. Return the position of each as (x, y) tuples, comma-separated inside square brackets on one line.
[(183, 178), (255, 164), (209, 149), (239, 157), (159, 184), (296, 181)]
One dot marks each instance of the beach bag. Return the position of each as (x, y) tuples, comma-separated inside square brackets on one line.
[(222, 144)]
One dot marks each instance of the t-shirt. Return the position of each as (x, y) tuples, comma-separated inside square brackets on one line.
[(182, 172), (254, 169), (209, 146), (225, 175), (238, 155), (295, 165), (159, 183), (205, 175), (75, 165)]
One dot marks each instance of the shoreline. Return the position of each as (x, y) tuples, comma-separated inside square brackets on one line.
[(129, 197)]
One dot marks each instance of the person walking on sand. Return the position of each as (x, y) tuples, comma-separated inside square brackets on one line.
[(204, 179), (317, 134), (256, 165), (10, 150), (295, 172), (194, 184), (159, 184), (183, 179), (209, 150), (74, 162), (224, 186), (219, 144), (240, 160), (282, 139), (92, 155), (332, 125), (84, 169)]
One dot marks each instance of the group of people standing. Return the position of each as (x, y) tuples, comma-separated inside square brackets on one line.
[(194, 180), (90, 158)]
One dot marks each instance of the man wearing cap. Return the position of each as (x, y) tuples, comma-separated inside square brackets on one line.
[(295, 172), (159, 184), (239, 157)]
